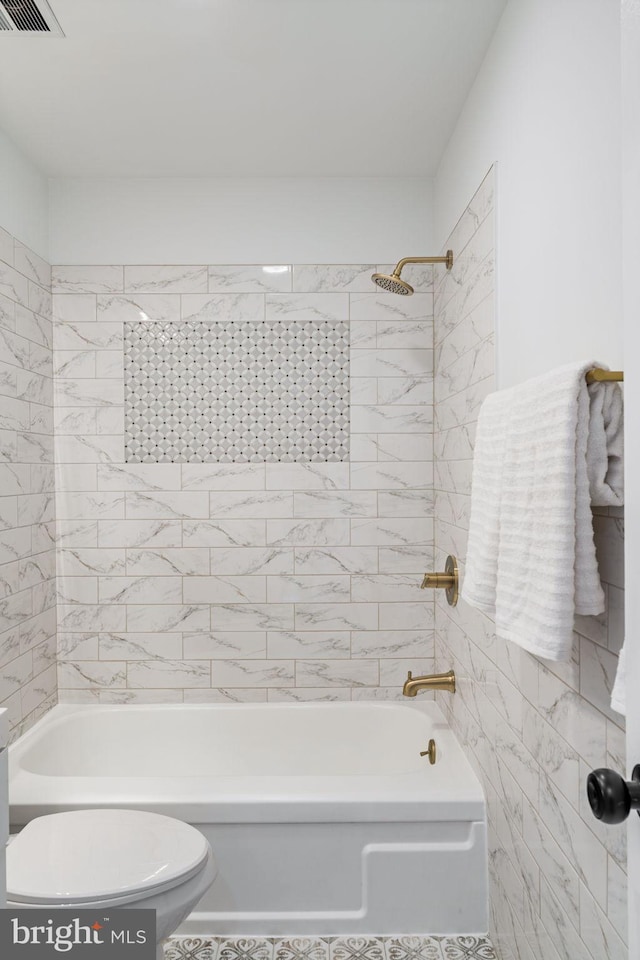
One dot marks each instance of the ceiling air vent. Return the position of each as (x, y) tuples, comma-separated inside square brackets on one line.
[(27, 16)]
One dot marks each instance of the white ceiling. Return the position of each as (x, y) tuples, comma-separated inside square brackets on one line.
[(243, 88)]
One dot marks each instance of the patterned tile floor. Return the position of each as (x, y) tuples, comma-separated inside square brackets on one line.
[(330, 948)]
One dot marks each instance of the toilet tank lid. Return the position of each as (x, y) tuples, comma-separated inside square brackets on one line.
[(89, 855)]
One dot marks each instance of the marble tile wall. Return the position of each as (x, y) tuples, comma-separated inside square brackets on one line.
[(27, 518), (532, 729), (243, 581)]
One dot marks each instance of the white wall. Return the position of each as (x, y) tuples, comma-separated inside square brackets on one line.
[(545, 106), (23, 198), (239, 221)]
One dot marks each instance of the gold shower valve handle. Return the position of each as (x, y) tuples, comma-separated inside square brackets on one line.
[(444, 580)]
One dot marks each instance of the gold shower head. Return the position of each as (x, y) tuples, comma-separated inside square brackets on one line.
[(394, 284)]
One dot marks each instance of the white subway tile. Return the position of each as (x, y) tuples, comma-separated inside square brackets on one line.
[(74, 420), (89, 449), (253, 673), (257, 278), (139, 308), (224, 533), (91, 673), (392, 644), (389, 476), (311, 589), (110, 364), (391, 532), (139, 476), (307, 306), (225, 645), (166, 505), (321, 503), (147, 590), (336, 616), (13, 285), (256, 616), (386, 588), (225, 590), (74, 307), (406, 616), (308, 644), (77, 279), (78, 646), (139, 533), (404, 390), (87, 618), (88, 393), (222, 476), (336, 560), (323, 277), (165, 279), (244, 561), (391, 419), (82, 335), (597, 930), (74, 364), (162, 618), (384, 307), (405, 334), (30, 265), (300, 533), (80, 506), (370, 362), (168, 673), (77, 589), (187, 562), (87, 562), (223, 306), (256, 504), (340, 673), (307, 476)]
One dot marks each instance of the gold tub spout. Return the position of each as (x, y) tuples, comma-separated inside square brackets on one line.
[(436, 681)]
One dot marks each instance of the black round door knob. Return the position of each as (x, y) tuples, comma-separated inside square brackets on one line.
[(611, 797)]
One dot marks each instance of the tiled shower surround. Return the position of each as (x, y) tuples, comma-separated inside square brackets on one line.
[(259, 578), (531, 728), (190, 579), (27, 552)]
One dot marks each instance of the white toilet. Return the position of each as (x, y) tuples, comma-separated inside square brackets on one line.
[(111, 858)]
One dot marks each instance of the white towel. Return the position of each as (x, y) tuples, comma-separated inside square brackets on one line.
[(545, 450)]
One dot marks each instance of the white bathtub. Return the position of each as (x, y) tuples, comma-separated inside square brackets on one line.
[(324, 818)]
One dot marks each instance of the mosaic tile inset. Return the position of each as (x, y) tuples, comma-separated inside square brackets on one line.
[(236, 391)]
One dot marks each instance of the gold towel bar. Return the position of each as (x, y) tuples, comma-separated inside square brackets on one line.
[(597, 375)]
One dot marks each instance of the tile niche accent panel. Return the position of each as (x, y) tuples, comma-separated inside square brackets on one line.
[(236, 391)]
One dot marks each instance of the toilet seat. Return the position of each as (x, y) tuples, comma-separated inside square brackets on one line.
[(108, 857)]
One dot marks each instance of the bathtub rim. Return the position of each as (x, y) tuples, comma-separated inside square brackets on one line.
[(255, 798)]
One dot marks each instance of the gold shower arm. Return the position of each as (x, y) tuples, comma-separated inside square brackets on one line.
[(401, 264)]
